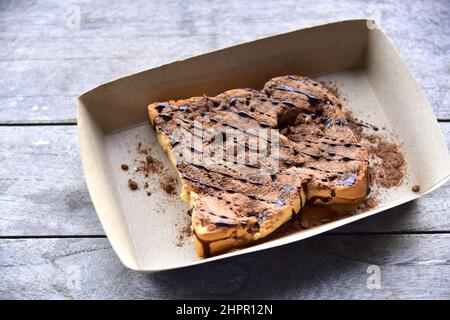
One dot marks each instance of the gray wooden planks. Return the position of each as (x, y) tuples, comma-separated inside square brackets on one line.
[(46, 60), (42, 190), (411, 267)]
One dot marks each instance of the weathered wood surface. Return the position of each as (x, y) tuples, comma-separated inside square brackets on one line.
[(42, 190), (411, 267), (47, 58)]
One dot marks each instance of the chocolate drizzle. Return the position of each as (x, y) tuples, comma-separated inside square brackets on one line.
[(349, 181), (161, 106), (166, 116), (310, 96), (204, 244), (244, 114), (315, 150), (364, 124), (171, 137), (288, 103), (202, 184)]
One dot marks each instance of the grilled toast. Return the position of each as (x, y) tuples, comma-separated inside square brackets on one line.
[(290, 143)]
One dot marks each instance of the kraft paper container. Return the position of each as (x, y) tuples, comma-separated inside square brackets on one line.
[(362, 62)]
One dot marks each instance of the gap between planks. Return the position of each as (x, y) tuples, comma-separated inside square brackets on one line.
[(68, 236), (72, 123), (100, 236), (38, 123)]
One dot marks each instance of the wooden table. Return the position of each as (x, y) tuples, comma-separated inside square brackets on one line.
[(51, 242)]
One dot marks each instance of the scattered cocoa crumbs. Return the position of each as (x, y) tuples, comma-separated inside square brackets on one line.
[(132, 184), (184, 233), (141, 149), (357, 125), (144, 165), (149, 165), (415, 188), (169, 185), (304, 224), (369, 203), (310, 215), (354, 125), (124, 167), (333, 87)]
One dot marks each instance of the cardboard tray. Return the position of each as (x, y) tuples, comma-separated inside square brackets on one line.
[(367, 69)]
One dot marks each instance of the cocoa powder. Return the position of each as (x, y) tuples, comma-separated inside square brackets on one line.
[(391, 171), (333, 88), (184, 233), (369, 203), (310, 216), (132, 184), (149, 165), (169, 185), (387, 166), (145, 164)]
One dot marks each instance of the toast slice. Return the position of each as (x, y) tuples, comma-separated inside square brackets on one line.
[(250, 160)]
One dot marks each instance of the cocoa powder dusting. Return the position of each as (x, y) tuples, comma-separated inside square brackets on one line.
[(184, 233), (169, 185), (369, 203), (387, 169), (144, 165), (310, 216), (141, 149), (387, 165), (332, 87), (391, 171), (149, 165), (354, 126)]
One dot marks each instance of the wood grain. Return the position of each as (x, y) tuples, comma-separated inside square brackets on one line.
[(46, 61), (411, 267), (42, 190)]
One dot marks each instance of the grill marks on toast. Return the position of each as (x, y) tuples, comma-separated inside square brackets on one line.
[(235, 202)]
